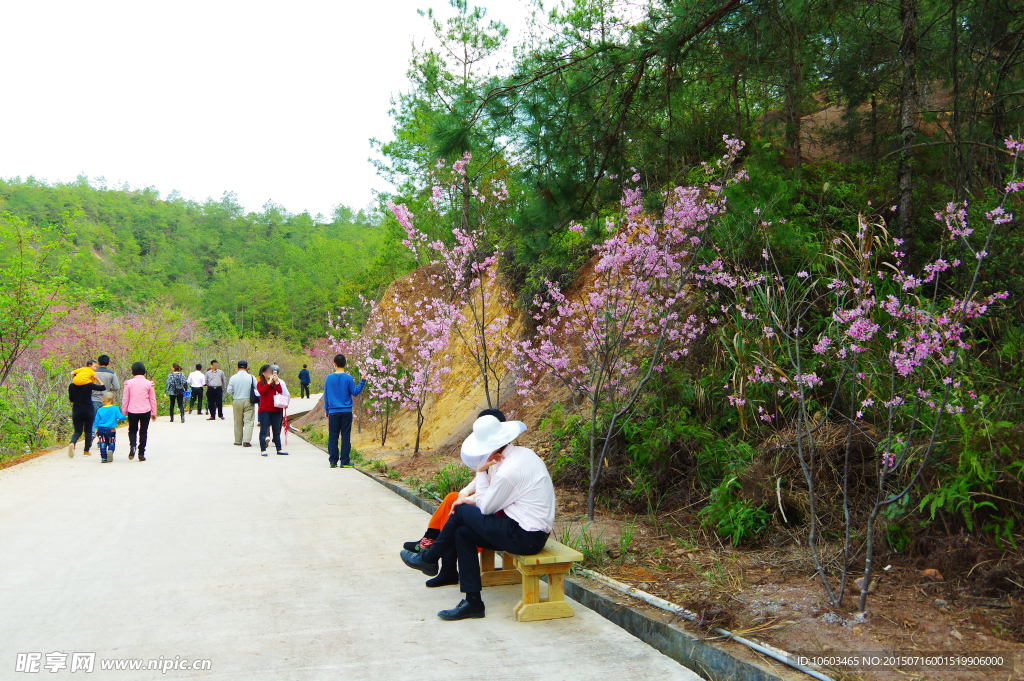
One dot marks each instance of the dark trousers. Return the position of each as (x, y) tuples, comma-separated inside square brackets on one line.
[(106, 438), (82, 422), (467, 529), (303, 390), (270, 420), (138, 424), (197, 395), (180, 401), (339, 425), (215, 400)]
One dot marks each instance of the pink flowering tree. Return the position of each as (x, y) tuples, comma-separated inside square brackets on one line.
[(602, 343), (428, 323), (461, 274), (888, 360)]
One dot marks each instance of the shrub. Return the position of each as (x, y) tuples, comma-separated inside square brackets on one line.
[(732, 516)]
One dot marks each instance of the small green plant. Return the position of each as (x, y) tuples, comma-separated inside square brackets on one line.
[(897, 537), (626, 534), (569, 442), (593, 547), (451, 478), (378, 466), (732, 516)]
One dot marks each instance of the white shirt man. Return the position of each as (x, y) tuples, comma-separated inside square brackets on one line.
[(510, 506), (197, 379), (519, 485)]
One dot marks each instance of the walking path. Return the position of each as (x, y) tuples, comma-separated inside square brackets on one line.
[(272, 568)]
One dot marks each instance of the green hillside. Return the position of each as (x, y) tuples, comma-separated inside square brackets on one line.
[(257, 273)]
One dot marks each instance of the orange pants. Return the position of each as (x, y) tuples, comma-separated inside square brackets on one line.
[(440, 516)]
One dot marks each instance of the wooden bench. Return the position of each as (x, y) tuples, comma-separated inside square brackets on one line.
[(554, 560)]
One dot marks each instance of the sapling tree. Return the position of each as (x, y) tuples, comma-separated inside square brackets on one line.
[(461, 275), (604, 341), (378, 352), (889, 360), (428, 323)]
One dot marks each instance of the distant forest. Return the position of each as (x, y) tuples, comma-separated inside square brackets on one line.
[(259, 273)]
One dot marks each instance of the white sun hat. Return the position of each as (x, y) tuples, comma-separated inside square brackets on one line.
[(488, 435)]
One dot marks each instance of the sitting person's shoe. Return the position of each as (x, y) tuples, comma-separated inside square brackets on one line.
[(446, 578), (416, 562), (464, 610), (412, 546)]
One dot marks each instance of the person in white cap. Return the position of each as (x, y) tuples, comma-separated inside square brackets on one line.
[(511, 508)]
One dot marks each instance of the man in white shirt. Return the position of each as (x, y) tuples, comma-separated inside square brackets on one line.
[(241, 387), (510, 506), (197, 379)]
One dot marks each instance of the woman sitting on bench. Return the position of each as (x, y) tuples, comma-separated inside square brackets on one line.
[(510, 506)]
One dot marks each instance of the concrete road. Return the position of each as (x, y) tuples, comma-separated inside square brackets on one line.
[(270, 568)]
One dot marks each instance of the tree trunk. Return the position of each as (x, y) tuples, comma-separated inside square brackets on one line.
[(874, 134), (794, 75), (419, 426), (908, 114), (736, 103)]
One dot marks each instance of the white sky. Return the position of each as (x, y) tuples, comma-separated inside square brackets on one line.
[(274, 101)]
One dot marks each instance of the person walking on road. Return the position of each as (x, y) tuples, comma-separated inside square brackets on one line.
[(242, 387), (197, 381), (106, 420), (339, 388), (175, 390), (108, 378), (83, 384), (304, 382), (270, 414), (215, 382), (138, 403)]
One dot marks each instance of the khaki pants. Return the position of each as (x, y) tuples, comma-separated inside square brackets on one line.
[(245, 415)]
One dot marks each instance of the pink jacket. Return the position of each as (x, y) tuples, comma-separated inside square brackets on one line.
[(138, 396)]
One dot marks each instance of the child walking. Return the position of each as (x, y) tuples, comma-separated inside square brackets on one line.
[(106, 420)]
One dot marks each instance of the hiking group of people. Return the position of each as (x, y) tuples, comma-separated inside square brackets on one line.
[(509, 505), (92, 392), (94, 415)]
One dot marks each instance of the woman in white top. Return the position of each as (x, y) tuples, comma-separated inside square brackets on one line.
[(197, 379)]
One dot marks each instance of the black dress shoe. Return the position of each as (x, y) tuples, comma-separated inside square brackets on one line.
[(416, 562), (464, 610), (446, 578)]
